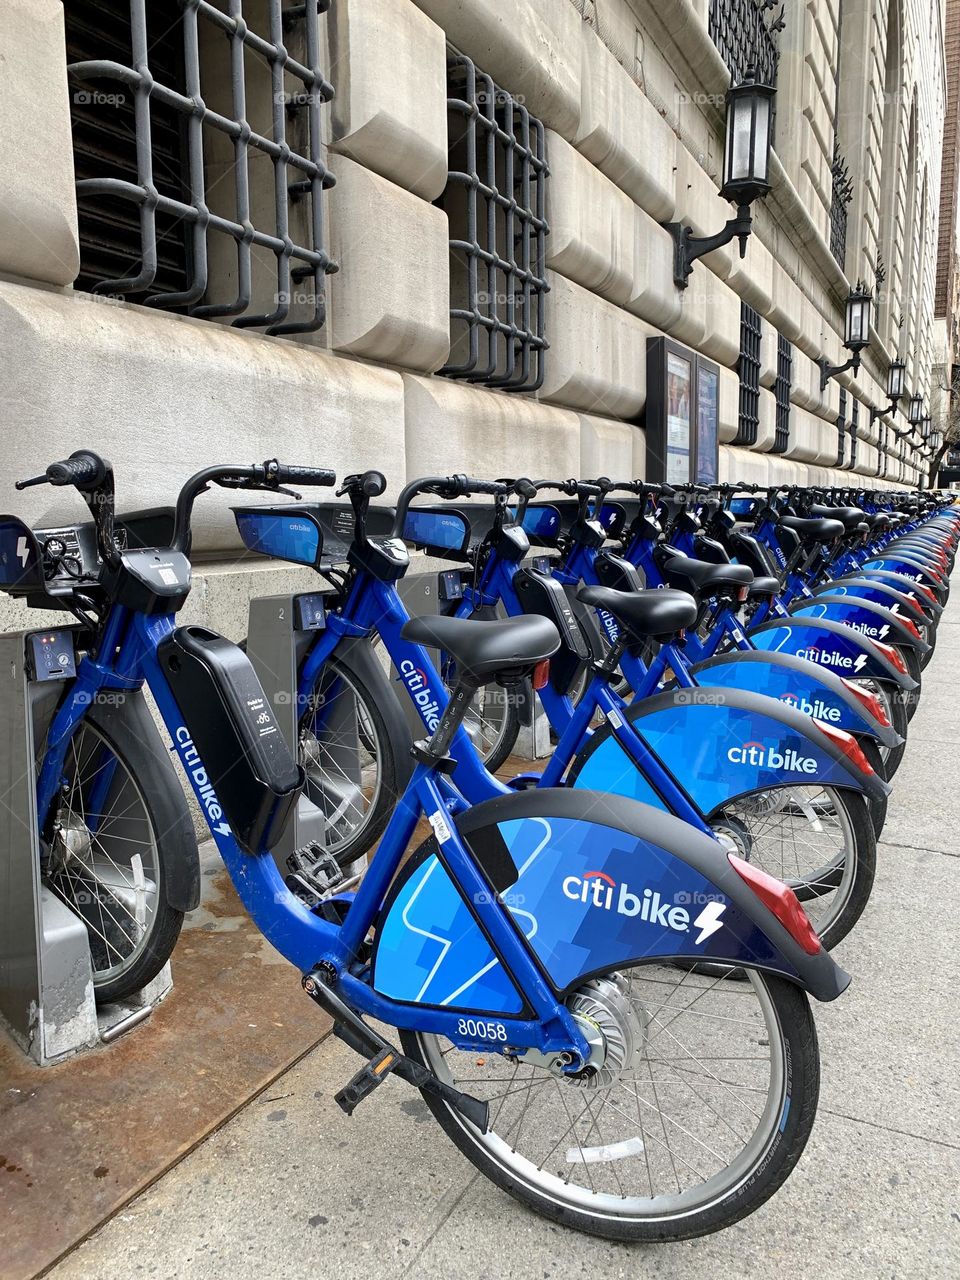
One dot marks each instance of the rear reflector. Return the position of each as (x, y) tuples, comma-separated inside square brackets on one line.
[(892, 655), (869, 700), (742, 593), (848, 745), (781, 900), (911, 626), (541, 674)]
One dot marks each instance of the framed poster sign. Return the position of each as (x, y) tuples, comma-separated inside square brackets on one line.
[(682, 414)]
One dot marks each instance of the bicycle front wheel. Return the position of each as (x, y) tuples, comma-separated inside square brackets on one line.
[(112, 841), (703, 1100)]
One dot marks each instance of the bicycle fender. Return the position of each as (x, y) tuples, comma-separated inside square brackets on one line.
[(873, 620), (719, 752), (829, 644), (181, 864), (909, 586), (901, 602), (910, 568), (591, 882), (798, 683)]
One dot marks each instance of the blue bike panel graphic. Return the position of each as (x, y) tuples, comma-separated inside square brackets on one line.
[(445, 529), (841, 654), (430, 950), (19, 565), (541, 522), (600, 898), (586, 897), (790, 687), (864, 621), (281, 535), (719, 752)]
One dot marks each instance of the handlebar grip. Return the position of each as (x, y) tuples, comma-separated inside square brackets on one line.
[(83, 469), (318, 476)]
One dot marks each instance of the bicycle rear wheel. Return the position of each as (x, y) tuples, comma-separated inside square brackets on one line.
[(701, 1102)]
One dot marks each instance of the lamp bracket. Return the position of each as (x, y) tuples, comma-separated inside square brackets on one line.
[(828, 370), (687, 247)]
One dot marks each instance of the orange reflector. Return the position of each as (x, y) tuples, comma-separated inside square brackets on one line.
[(892, 655), (869, 700), (541, 674)]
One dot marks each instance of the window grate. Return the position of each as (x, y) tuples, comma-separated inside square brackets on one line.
[(781, 392), (841, 427), (745, 37), (495, 201), (840, 198), (147, 225), (854, 417), (751, 334)]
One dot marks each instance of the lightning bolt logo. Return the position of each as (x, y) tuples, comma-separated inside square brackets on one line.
[(708, 921), (860, 663), (22, 550)]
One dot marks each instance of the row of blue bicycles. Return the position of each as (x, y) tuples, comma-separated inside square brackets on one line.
[(599, 972)]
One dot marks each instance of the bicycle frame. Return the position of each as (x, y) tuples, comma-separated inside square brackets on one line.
[(304, 938)]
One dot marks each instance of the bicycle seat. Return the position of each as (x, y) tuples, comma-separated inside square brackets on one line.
[(483, 650), (765, 586), (705, 577), (657, 613), (849, 517), (816, 530)]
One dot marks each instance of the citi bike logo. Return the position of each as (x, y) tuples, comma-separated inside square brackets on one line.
[(759, 756), (609, 625), (208, 797), (597, 889), (875, 633), (817, 708), (419, 690), (830, 658)]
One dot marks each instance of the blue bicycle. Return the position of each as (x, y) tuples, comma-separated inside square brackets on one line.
[(604, 1009)]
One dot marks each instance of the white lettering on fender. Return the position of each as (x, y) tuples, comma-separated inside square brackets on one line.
[(194, 766)]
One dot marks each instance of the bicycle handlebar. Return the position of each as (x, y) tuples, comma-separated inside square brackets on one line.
[(447, 487)]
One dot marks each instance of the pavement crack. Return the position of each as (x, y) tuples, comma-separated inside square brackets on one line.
[(918, 848), (889, 1128), (441, 1222)]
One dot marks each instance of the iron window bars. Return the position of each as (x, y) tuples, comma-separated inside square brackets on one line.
[(160, 170), (854, 422), (744, 37), (781, 392), (841, 427), (840, 197), (495, 201), (751, 332)]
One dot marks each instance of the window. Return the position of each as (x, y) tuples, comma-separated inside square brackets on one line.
[(751, 331), (495, 203), (781, 393), (841, 195), (841, 427), (746, 37), (184, 203)]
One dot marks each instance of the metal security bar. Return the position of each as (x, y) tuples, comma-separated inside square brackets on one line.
[(744, 32), (495, 201), (751, 333), (781, 392), (841, 427), (841, 195), (854, 422), (144, 192)]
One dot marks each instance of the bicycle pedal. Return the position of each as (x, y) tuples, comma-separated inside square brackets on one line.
[(320, 869), (370, 1076)]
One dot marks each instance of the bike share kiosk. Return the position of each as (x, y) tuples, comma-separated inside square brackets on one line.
[(46, 976)]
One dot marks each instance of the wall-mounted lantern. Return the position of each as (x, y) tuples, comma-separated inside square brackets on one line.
[(856, 333), (894, 392), (746, 166), (915, 409)]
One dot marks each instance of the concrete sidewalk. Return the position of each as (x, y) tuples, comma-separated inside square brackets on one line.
[(291, 1187)]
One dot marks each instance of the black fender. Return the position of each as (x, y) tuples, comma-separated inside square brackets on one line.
[(876, 664), (898, 634), (532, 846), (357, 655), (181, 863)]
